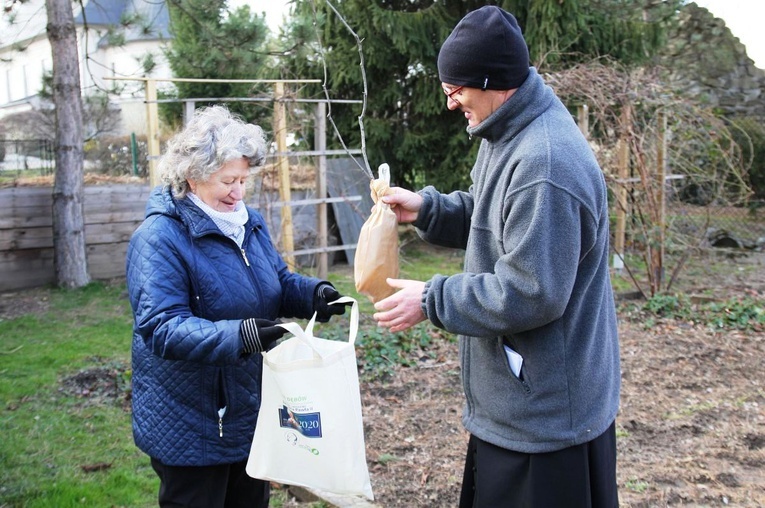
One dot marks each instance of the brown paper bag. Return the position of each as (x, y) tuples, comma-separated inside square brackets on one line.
[(377, 249)]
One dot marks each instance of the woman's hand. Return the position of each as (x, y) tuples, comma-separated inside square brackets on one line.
[(323, 297)]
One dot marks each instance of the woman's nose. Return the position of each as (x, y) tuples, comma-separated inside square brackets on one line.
[(237, 191)]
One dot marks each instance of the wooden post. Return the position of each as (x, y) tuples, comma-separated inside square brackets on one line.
[(152, 138), (661, 195), (584, 120), (188, 111), (623, 153), (285, 193), (320, 145)]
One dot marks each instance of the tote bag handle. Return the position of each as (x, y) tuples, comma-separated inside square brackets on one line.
[(306, 336)]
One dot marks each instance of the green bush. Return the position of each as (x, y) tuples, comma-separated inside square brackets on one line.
[(113, 156), (731, 314), (749, 134), (383, 352)]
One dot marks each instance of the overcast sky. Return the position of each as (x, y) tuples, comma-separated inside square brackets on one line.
[(745, 19)]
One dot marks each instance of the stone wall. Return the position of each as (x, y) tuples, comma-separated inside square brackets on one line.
[(708, 62)]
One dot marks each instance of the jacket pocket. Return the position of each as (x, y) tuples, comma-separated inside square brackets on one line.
[(516, 364)]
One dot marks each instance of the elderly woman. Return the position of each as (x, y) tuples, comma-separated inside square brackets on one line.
[(206, 286)]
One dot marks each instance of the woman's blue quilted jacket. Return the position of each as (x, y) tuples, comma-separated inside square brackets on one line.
[(190, 287)]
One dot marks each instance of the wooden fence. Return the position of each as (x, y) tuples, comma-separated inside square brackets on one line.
[(112, 212)]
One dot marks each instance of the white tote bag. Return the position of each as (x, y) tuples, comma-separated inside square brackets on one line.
[(310, 432)]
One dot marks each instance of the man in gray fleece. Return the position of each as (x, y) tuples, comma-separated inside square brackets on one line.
[(534, 308)]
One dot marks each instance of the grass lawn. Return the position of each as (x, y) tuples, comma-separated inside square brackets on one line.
[(65, 386), (63, 448)]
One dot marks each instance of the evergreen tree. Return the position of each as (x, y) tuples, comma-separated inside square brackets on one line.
[(406, 121), (210, 42)]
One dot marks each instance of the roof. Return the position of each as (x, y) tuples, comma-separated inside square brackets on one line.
[(155, 20), (29, 19)]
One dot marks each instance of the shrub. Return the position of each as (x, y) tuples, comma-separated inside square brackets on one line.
[(749, 134), (113, 156)]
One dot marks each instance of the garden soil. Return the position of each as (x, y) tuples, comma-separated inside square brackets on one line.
[(690, 430)]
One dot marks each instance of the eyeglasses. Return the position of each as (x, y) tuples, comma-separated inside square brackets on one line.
[(450, 93)]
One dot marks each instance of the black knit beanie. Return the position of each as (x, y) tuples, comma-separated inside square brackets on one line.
[(485, 50)]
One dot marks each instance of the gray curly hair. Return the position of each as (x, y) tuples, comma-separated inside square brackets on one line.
[(213, 137)]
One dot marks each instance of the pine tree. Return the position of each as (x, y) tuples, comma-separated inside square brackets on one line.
[(210, 42), (406, 122)]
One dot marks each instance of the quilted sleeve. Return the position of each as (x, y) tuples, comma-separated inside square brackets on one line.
[(160, 292), (297, 290)]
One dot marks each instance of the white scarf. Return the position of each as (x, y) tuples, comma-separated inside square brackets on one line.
[(231, 224)]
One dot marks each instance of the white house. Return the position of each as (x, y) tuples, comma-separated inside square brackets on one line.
[(116, 38)]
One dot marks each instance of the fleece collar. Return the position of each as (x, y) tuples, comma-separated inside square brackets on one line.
[(527, 103)]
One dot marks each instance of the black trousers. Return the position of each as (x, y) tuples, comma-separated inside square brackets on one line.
[(224, 486), (582, 476)]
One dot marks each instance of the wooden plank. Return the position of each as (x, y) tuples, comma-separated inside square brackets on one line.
[(109, 232), (28, 238), (117, 195), (27, 193), (32, 208), (137, 208), (34, 267), (13, 210), (26, 256), (26, 214), (118, 189), (28, 277), (327, 249), (26, 268), (111, 214), (107, 261), (21, 222), (35, 196), (24, 197), (133, 217)]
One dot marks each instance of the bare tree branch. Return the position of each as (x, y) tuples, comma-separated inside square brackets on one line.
[(699, 146), (366, 168)]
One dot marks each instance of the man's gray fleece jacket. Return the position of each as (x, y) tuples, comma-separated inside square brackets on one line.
[(535, 228)]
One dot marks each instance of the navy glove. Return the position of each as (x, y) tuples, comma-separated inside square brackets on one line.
[(324, 294), (259, 334)]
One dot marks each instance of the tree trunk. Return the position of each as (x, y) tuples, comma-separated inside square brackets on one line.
[(69, 253)]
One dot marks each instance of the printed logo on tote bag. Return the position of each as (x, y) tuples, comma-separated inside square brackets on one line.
[(308, 424)]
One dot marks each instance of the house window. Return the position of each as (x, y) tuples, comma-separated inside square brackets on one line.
[(7, 98), (24, 83)]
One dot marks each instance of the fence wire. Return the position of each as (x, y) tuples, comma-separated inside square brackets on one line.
[(31, 157)]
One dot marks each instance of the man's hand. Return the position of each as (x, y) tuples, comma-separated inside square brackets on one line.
[(402, 309), (405, 204)]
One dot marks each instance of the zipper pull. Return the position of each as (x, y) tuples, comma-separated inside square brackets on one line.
[(221, 412), (244, 255)]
